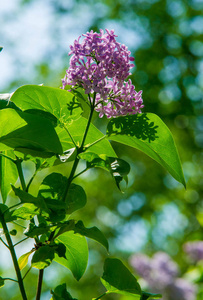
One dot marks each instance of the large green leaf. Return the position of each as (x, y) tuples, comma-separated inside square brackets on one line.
[(149, 134), (20, 130), (76, 253), (118, 279), (92, 233), (77, 129), (8, 173), (62, 104)]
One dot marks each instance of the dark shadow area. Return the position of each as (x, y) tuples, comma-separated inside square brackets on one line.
[(135, 125)]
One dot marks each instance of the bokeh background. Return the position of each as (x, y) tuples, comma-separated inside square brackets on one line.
[(155, 216)]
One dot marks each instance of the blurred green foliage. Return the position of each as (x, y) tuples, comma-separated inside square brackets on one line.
[(155, 212)]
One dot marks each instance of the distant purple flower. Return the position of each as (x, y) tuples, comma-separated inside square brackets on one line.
[(99, 64), (160, 273), (182, 290), (194, 250), (141, 263)]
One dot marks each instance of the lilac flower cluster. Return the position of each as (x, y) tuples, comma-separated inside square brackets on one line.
[(101, 65), (194, 250), (161, 274)]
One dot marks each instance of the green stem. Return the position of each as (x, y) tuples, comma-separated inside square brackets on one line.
[(14, 258), (1, 154), (29, 183), (79, 150), (20, 173), (27, 273), (10, 279), (75, 164), (39, 286), (4, 243), (11, 207), (81, 173), (20, 241), (101, 296), (88, 123), (97, 141), (66, 129)]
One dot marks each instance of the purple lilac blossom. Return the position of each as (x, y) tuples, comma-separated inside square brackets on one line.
[(160, 274), (194, 250), (181, 289), (99, 64)]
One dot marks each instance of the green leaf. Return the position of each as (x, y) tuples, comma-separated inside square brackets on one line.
[(1, 282), (92, 233), (25, 212), (53, 188), (83, 99), (8, 173), (28, 198), (76, 198), (62, 104), (1, 48), (43, 257), (118, 279), (76, 253), (64, 227), (147, 132), (60, 293), (60, 249), (147, 296), (6, 103), (20, 130), (23, 259), (33, 230), (7, 215), (77, 129), (118, 168)]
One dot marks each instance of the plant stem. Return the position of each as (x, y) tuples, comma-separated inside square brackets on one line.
[(14, 258), (10, 279), (4, 243), (20, 173), (20, 241), (66, 129), (88, 123), (100, 296), (1, 154), (79, 150), (27, 273), (97, 141), (39, 286)]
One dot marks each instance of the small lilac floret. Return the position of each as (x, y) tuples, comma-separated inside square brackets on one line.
[(99, 64)]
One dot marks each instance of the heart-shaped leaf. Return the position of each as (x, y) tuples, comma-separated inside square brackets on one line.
[(147, 132), (118, 279), (76, 253)]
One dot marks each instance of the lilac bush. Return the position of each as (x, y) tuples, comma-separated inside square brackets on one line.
[(100, 65), (194, 250), (161, 274), (47, 127)]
